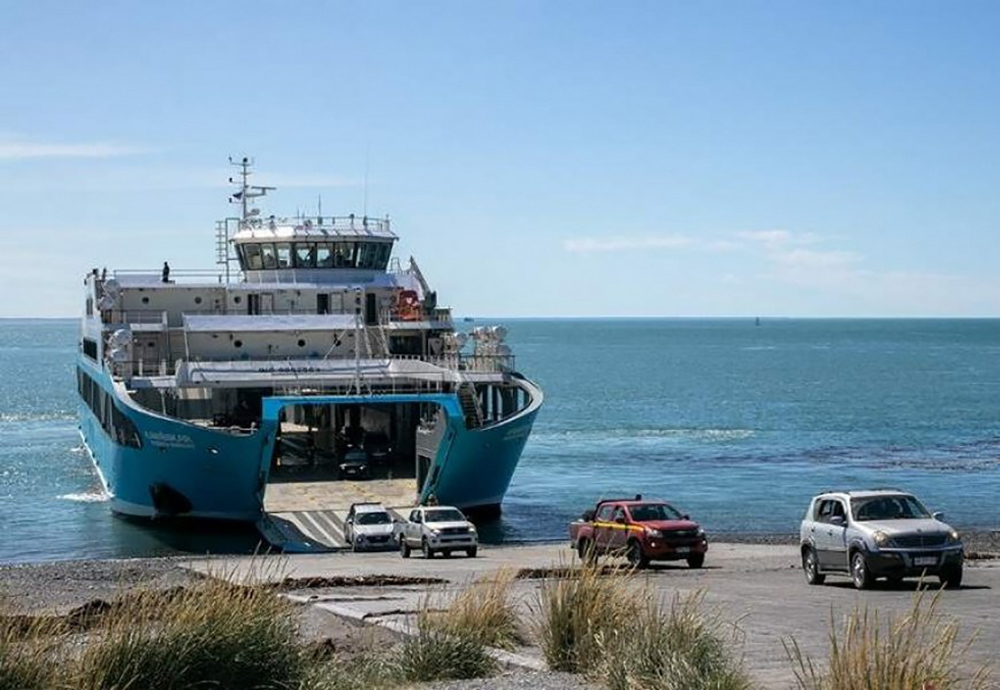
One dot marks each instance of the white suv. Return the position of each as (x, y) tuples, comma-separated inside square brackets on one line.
[(879, 533), (368, 526), (437, 528)]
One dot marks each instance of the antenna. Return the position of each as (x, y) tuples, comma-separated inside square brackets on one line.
[(367, 159), (247, 191)]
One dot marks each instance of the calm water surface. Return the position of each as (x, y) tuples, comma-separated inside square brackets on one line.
[(739, 425)]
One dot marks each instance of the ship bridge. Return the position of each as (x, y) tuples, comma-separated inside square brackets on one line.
[(326, 248)]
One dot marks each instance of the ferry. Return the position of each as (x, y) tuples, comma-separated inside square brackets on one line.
[(258, 387)]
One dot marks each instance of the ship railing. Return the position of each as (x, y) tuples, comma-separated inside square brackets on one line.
[(177, 275), (357, 224), (457, 362), (130, 316), (473, 363)]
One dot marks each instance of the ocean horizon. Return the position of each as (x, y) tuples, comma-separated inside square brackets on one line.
[(735, 423)]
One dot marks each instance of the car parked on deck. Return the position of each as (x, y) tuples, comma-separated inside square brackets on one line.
[(368, 526), (354, 465), (437, 529), (879, 533), (641, 530)]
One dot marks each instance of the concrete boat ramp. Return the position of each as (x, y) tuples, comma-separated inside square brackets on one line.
[(308, 516), (759, 589)]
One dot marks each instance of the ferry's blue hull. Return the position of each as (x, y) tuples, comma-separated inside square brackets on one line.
[(186, 471)]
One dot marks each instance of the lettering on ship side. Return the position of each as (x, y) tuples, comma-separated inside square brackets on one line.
[(163, 440), (520, 432)]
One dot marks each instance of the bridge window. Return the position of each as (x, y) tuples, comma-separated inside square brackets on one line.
[(344, 255), (324, 255), (268, 258), (284, 256), (305, 255), (90, 348), (384, 248), (251, 257), (366, 255)]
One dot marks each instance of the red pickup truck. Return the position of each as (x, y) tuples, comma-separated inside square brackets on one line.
[(643, 531)]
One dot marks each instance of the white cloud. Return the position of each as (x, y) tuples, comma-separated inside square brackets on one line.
[(808, 258), (767, 237), (21, 148), (618, 244)]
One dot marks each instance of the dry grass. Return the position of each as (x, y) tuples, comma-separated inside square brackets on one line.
[(213, 635), (485, 610), (574, 612), (680, 646), (918, 651), (25, 655)]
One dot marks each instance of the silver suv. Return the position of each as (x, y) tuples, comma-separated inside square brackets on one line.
[(368, 526), (434, 529), (879, 533)]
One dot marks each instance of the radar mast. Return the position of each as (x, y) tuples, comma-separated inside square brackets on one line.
[(247, 192)]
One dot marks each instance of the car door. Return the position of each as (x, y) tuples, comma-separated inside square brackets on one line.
[(619, 531), (602, 526), (413, 527), (837, 536), (819, 532), (349, 526)]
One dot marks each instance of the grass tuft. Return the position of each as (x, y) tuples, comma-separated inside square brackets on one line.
[(26, 655), (433, 654), (484, 611), (918, 651), (591, 603), (675, 647), (213, 635)]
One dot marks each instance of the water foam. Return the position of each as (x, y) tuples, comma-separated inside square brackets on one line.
[(92, 496)]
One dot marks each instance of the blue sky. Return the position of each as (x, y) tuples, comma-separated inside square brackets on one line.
[(538, 158)]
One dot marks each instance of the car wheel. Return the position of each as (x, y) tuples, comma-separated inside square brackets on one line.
[(951, 578), (404, 548), (810, 566), (586, 551), (696, 560), (426, 548), (859, 571), (635, 555), (471, 553)]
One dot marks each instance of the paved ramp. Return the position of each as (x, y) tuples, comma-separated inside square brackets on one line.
[(311, 531)]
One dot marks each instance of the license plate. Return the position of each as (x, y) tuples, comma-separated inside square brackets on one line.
[(683, 549), (931, 560)]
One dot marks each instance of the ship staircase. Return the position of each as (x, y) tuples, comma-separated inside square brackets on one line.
[(469, 401)]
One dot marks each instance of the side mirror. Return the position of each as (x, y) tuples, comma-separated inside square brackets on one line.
[(938, 516), (685, 516), (838, 520)]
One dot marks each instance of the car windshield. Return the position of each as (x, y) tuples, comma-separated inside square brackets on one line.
[(900, 507), (443, 515), (373, 519), (653, 512)]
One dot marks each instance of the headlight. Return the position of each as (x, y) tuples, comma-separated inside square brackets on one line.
[(880, 538), (436, 532), (654, 532), (472, 528), (700, 533), (954, 537)]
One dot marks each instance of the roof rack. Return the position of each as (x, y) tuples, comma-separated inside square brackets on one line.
[(636, 497)]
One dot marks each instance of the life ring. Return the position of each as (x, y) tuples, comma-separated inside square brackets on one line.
[(408, 305)]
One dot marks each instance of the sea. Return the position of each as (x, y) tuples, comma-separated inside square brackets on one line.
[(737, 422)]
